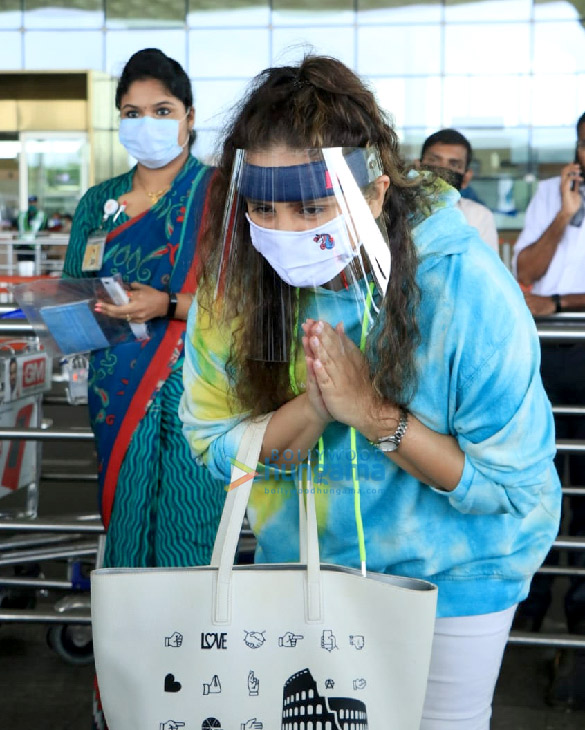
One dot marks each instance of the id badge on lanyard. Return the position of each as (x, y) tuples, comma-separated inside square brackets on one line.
[(94, 251), (94, 248)]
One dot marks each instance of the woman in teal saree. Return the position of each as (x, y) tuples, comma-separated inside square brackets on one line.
[(159, 506)]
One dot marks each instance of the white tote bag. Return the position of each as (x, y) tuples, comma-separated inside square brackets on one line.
[(261, 647)]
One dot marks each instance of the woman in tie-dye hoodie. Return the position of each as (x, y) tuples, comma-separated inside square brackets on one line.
[(469, 497)]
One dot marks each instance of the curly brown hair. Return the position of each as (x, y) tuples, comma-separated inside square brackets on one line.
[(319, 103)]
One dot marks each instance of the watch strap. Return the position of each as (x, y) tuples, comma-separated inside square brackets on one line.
[(392, 442), (557, 300), (172, 308)]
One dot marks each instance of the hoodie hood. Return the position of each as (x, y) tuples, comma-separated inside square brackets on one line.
[(438, 232)]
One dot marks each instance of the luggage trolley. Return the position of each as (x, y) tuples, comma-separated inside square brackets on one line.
[(25, 375)]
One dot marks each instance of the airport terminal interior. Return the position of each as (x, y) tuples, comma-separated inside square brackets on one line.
[(507, 74)]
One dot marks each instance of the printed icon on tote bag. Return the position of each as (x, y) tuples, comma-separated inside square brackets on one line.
[(211, 723), (254, 639), (175, 640), (301, 698), (213, 640), (171, 684), (252, 724), (253, 684), (289, 639), (328, 640), (214, 687)]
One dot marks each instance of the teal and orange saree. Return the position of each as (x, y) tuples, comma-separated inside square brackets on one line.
[(160, 507)]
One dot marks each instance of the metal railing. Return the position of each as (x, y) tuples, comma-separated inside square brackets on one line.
[(47, 251), (565, 327), (562, 328), (30, 541)]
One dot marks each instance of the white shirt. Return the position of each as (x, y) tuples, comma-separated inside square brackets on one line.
[(566, 271), (480, 217)]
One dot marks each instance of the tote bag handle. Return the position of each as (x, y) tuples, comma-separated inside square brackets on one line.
[(230, 526)]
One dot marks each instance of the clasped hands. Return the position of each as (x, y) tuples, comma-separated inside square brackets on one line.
[(338, 377)]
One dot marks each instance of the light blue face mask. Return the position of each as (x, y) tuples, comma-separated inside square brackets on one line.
[(152, 142)]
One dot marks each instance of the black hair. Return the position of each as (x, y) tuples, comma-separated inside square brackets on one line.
[(152, 63), (449, 136), (580, 121)]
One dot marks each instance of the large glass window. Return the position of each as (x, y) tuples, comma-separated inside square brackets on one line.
[(399, 50), (487, 48), (228, 13), (495, 101), (289, 45), (399, 11), (59, 14), (482, 11), (120, 45), (145, 14), (411, 102), (310, 13), (553, 147), (557, 99), (558, 47), (10, 50), (230, 53), (214, 99), (56, 50), (556, 10), (510, 72), (10, 14)]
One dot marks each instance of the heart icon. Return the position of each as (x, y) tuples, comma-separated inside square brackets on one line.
[(171, 685)]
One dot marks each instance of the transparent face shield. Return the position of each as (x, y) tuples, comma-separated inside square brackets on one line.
[(303, 237)]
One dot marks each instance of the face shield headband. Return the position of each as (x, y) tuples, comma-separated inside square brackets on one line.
[(311, 180), (303, 228)]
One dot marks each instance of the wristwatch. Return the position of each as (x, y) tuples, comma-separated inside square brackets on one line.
[(557, 300), (392, 442), (172, 308)]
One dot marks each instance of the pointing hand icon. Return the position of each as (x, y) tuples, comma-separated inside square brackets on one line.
[(289, 639), (171, 725)]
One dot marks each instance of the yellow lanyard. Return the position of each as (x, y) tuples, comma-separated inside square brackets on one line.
[(353, 441)]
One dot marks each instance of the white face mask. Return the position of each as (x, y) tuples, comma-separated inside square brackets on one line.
[(305, 258), (152, 142)]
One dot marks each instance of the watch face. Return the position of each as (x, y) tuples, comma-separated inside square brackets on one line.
[(387, 446)]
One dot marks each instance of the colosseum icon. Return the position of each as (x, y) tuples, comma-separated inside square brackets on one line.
[(303, 708)]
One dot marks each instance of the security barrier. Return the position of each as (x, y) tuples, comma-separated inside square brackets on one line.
[(564, 327), (83, 537)]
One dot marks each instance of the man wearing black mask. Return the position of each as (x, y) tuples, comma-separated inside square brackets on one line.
[(448, 153)]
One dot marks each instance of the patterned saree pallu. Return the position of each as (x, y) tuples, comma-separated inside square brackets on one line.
[(263, 647)]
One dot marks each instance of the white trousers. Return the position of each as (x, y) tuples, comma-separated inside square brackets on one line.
[(465, 664)]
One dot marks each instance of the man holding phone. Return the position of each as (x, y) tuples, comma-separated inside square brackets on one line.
[(549, 257), (549, 260)]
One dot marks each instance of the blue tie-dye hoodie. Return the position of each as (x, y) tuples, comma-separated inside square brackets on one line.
[(478, 379)]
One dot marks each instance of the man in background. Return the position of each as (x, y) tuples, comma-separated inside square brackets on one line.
[(549, 261), (448, 153)]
